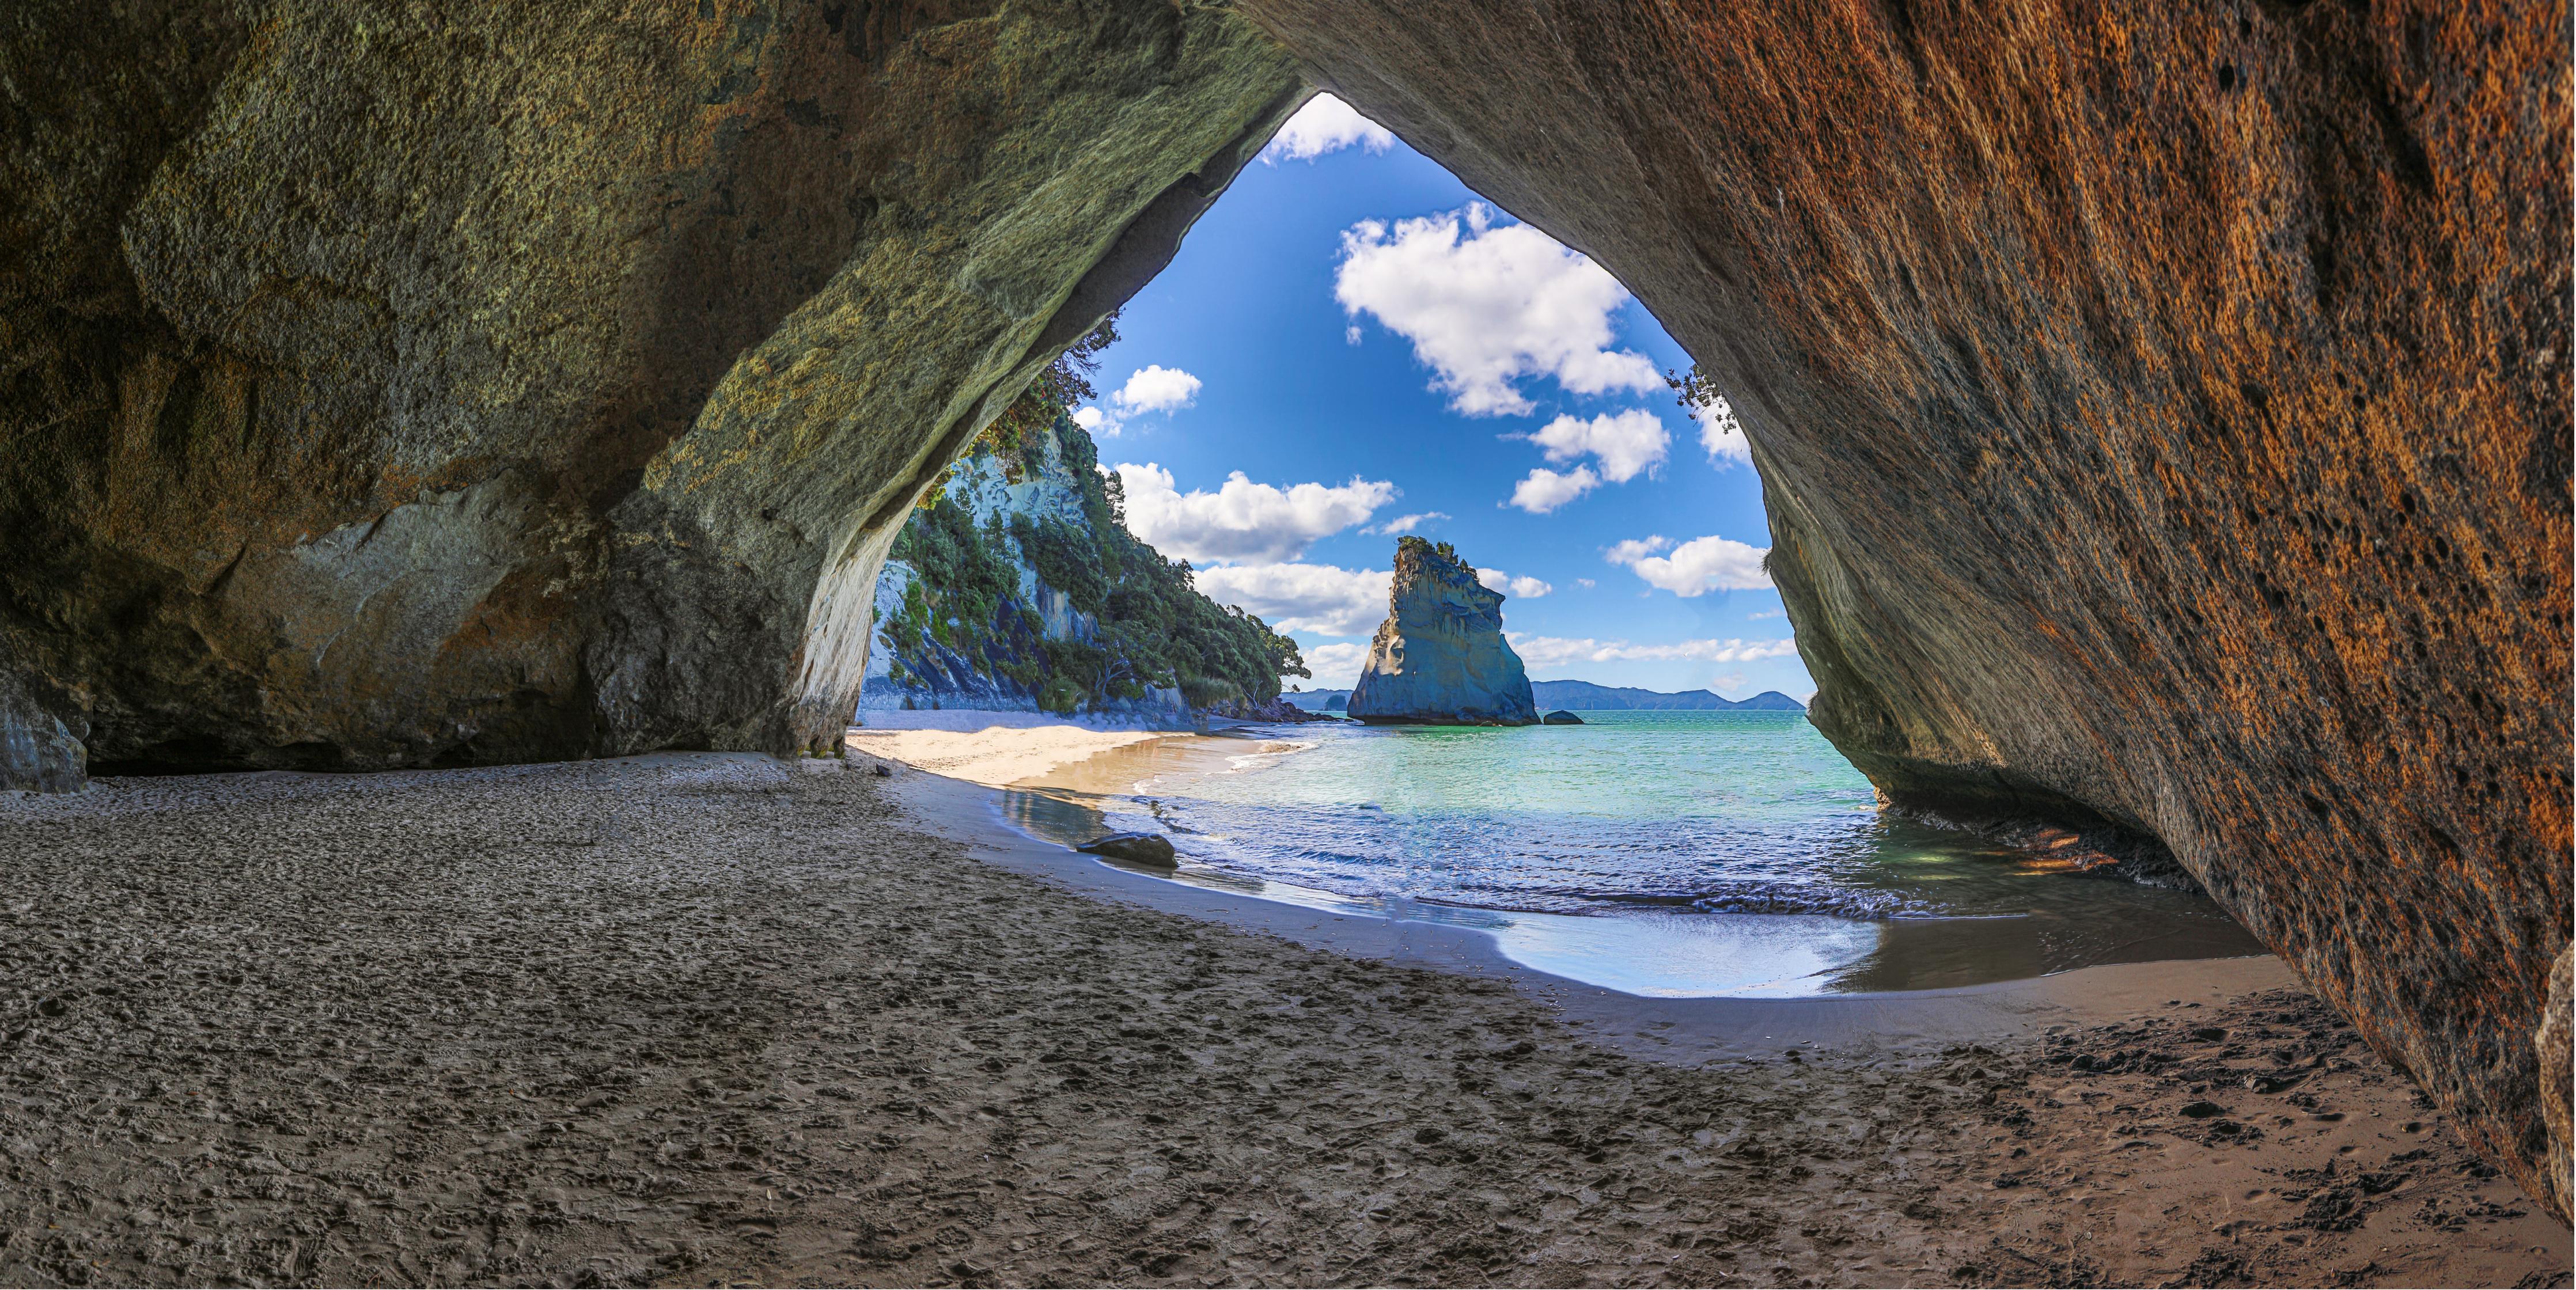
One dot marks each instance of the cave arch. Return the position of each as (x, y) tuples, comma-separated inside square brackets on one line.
[(2165, 414)]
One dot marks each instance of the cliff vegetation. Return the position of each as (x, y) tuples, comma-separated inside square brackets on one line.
[(1016, 582)]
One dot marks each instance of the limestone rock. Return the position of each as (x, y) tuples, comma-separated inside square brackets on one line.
[(1440, 657), (37, 752), (1561, 717), (523, 380), (1135, 848), (2557, 1046)]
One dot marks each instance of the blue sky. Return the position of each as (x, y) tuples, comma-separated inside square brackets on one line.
[(1363, 339)]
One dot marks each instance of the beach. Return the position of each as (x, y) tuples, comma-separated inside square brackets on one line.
[(996, 755), (708, 1018)]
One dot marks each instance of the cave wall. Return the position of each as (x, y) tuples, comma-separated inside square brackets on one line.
[(512, 381), (2163, 409), (2163, 412)]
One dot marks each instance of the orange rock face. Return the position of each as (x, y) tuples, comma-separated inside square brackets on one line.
[(2164, 413)]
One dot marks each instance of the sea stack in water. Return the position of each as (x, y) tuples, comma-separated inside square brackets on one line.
[(1440, 657)]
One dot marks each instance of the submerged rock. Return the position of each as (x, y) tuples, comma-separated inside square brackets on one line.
[(1561, 717), (1135, 848), (1440, 657)]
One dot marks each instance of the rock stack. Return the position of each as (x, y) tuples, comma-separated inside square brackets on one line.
[(1440, 657)]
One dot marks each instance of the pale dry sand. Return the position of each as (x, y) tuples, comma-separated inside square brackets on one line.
[(702, 1019), (997, 755)]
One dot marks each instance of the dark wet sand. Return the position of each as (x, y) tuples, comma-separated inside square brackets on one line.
[(703, 1018)]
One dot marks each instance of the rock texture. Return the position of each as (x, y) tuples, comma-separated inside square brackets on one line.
[(1135, 848), (1440, 657), (528, 380), (2163, 413)]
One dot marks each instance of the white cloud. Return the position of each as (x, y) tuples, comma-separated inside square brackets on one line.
[(1720, 432), (1157, 388), (1325, 125), (1486, 307), (1558, 651), (1586, 583), (1097, 422), (1545, 490), (1695, 567), (1351, 334), (1635, 549), (1403, 524), (1321, 598), (1336, 666), (1625, 442), (1761, 614), (1725, 442), (1525, 588), (1242, 520)]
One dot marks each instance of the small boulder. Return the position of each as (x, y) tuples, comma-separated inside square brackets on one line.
[(1135, 848), (1561, 717)]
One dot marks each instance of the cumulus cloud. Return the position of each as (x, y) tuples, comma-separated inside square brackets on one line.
[(1325, 125), (1242, 520), (1540, 652), (1402, 524), (1545, 490), (1725, 442), (1695, 567), (1096, 421), (1157, 389), (1336, 666), (1321, 598), (1525, 588), (1488, 306), (1720, 432), (1624, 442)]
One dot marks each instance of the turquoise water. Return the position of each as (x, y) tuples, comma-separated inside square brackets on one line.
[(1666, 852)]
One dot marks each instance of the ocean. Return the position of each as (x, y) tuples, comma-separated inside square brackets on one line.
[(1672, 853)]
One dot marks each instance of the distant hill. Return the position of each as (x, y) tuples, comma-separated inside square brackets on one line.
[(1584, 696), (1318, 700)]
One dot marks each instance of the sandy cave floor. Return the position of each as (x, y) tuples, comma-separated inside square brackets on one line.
[(705, 1019)]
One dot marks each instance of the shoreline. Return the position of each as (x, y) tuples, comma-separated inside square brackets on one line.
[(1680, 960), (1664, 1028)]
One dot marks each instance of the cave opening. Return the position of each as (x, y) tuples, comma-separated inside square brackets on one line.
[(1352, 345), (1352, 350)]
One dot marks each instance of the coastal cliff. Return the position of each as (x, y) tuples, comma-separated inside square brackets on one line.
[(2163, 414), (964, 620), (1016, 586), (1440, 657)]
